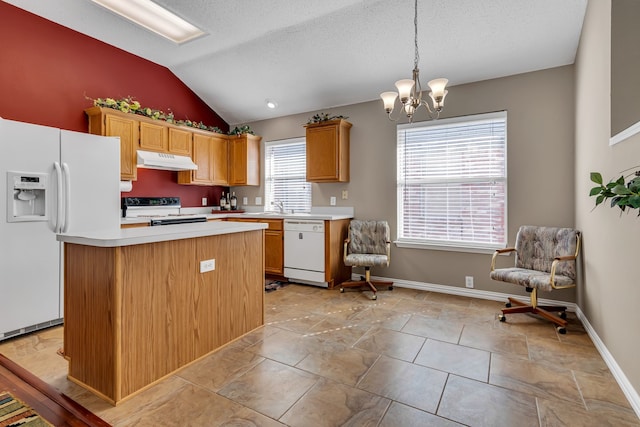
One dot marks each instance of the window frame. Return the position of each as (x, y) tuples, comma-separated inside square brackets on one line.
[(420, 243), (268, 207)]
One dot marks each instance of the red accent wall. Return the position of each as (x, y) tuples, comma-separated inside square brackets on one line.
[(47, 71)]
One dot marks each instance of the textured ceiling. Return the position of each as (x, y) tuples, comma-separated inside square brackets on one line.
[(317, 54)]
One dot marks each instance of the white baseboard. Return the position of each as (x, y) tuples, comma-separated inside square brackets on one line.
[(628, 390)]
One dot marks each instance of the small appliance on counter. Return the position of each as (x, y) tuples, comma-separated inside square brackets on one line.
[(159, 210)]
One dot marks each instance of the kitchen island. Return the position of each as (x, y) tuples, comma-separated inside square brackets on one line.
[(141, 303)]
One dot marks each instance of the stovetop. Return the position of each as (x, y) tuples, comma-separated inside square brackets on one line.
[(154, 208)]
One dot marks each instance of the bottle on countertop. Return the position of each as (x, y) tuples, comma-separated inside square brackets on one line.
[(223, 202), (234, 201), (227, 205)]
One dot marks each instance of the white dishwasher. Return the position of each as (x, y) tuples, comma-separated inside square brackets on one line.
[(304, 251)]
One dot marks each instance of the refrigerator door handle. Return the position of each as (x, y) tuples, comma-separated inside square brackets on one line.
[(60, 208), (67, 196)]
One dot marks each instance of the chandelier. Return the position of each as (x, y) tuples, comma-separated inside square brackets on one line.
[(410, 90)]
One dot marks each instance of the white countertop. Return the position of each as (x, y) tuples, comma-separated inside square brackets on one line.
[(319, 213), (141, 235)]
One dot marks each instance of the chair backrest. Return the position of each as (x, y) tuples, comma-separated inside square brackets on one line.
[(368, 237), (538, 246)]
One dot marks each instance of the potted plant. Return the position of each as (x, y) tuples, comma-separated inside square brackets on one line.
[(623, 195)]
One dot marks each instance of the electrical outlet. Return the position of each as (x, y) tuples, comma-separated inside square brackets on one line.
[(207, 265), (204, 201), (258, 201), (332, 201), (468, 281), (245, 201), (345, 194)]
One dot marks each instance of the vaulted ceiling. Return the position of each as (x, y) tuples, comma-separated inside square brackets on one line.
[(317, 54)]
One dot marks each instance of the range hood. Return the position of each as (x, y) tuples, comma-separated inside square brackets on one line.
[(165, 161)]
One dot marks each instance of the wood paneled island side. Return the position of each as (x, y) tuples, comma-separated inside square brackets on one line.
[(137, 307)]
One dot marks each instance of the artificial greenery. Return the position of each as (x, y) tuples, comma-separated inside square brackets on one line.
[(130, 105), (623, 195), (324, 117), (240, 130)]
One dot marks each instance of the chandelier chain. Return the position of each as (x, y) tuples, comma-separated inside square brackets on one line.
[(415, 26)]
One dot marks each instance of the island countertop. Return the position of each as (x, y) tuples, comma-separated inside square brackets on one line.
[(141, 235)]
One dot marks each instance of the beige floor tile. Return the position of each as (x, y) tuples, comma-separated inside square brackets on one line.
[(342, 332), (332, 404), (283, 346), (601, 392), (382, 315), (270, 388), (433, 328), (448, 299), (403, 415), (545, 381), (220, 368), (405, 382), (479, 404), (456, 359), (391, 343), (577, 357), (554, 413), (347, 365), (490, 339)]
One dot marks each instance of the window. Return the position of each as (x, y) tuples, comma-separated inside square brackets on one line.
[(286, 174), (452, 183)]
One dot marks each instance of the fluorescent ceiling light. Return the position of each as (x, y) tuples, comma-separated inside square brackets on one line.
[(155, 18)]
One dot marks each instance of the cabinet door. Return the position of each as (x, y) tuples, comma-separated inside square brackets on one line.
[(322, 153), (202, 146), (220, 160), (180, 142), (153, 137), (244, 160), (274, 252), (127, 130)]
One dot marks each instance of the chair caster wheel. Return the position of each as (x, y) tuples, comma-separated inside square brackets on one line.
[(508, 304), (342, 290), (374, 297), (561, 330), (562, 315), (390, 288), (502, 318)]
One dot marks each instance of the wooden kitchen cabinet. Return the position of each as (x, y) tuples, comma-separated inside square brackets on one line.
[(210, 153), (328, 151), (273, 244), (109, 122), (154, 137), (180, 141), (244, 159)]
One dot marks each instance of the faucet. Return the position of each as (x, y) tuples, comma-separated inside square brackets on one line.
[(279, 204)]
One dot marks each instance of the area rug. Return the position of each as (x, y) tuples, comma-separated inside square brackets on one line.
[(273, 285), (14, 412)]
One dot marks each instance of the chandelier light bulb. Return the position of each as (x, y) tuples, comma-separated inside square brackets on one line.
[(404, 89), (389, 100)]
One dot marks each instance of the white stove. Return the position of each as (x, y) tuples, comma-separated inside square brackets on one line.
[(159, 210)]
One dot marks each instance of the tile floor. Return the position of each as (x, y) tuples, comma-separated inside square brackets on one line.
[(411, 358)]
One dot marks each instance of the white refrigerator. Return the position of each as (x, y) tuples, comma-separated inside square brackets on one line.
[(52, 181)]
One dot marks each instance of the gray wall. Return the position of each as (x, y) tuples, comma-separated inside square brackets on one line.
[(540, 108), (610, 290)]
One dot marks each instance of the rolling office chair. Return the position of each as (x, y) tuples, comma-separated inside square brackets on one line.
[(545, 260), (368, 245)]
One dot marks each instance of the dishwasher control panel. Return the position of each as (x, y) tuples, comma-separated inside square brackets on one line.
[(305, 226)]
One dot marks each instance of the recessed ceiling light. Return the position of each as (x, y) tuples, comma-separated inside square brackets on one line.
[(271, 103), (155, 18)]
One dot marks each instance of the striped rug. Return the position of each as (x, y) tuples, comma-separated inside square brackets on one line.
[(14, 413)]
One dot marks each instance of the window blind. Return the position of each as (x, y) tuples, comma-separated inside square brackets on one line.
[(285, 175), (452, 182)]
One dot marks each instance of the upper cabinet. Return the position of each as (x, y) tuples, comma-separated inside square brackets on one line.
[(180, 141), (244, 159), (328, 151), (154, 137), (109, 122), (210, 155)]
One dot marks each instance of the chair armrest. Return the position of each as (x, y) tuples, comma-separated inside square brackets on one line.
[(554, 265), (344, 251), (388, 246), (498, 252)]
